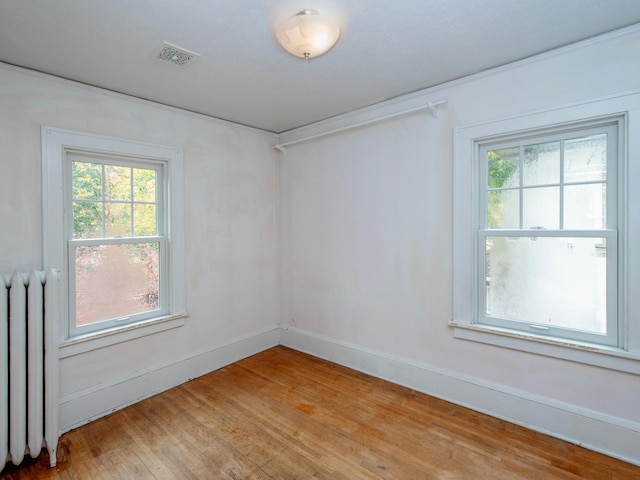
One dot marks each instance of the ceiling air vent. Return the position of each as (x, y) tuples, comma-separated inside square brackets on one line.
[(176, 55)]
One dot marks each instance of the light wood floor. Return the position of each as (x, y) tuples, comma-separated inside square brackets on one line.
[(285, 415)]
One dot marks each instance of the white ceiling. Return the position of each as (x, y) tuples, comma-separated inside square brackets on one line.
[(387, 48)]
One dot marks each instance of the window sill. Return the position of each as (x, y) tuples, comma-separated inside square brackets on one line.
[(590, 354), (86, 343)]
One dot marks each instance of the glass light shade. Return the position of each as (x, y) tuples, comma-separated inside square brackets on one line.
[(308, 34)]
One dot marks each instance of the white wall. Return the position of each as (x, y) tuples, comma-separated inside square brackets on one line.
[(367, 246), (230, 232)]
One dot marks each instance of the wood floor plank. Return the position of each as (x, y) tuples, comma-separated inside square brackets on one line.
[(282, 414)]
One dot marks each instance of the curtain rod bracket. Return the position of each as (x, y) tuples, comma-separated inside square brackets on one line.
[(434, 107)]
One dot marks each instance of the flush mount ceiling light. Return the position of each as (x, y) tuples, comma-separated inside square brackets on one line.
[(308, 34)]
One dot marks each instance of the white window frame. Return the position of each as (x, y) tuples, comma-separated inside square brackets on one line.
[(610, 126), (159, 166), (624, 356), (56, 240)]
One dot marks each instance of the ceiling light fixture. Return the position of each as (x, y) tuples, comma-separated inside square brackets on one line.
[(308, 34)]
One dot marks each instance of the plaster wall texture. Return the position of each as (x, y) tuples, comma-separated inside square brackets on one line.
[(367, 228), (230, 214)]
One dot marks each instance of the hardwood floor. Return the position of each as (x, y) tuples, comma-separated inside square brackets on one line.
[(282, 414)]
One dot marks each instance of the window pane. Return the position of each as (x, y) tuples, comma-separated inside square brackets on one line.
[(585, 206), (502, 168), (117, 219), (541, 164), (117, 184), (144, 185), (115, 281), (541, 207), (585, 159), (144, 220), (503, 209), (559, 282), (87, 180), (87, 220)]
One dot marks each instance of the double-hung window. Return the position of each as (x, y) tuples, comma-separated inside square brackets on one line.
[(114, 225), (117, 242), (547, 233), (546, 219)]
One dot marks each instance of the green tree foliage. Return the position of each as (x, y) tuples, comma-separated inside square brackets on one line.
[(500, 169), (144, 214), (127, 197), (87, 194), (118, 184)]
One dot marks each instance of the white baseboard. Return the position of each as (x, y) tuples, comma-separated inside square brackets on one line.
[(84, 406), (606, 434)]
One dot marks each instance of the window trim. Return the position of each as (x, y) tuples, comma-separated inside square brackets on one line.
[(54, 143), (627, 356)]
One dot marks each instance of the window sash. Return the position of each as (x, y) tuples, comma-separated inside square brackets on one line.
[(538, 328), (158, 166), (611, 181), (163, 303)]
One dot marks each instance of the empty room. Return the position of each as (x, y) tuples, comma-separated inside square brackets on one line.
[(336, 239)]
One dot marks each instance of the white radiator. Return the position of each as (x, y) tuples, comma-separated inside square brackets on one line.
[(29, 365)]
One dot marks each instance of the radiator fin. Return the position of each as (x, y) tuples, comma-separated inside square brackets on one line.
[(17, 368)]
